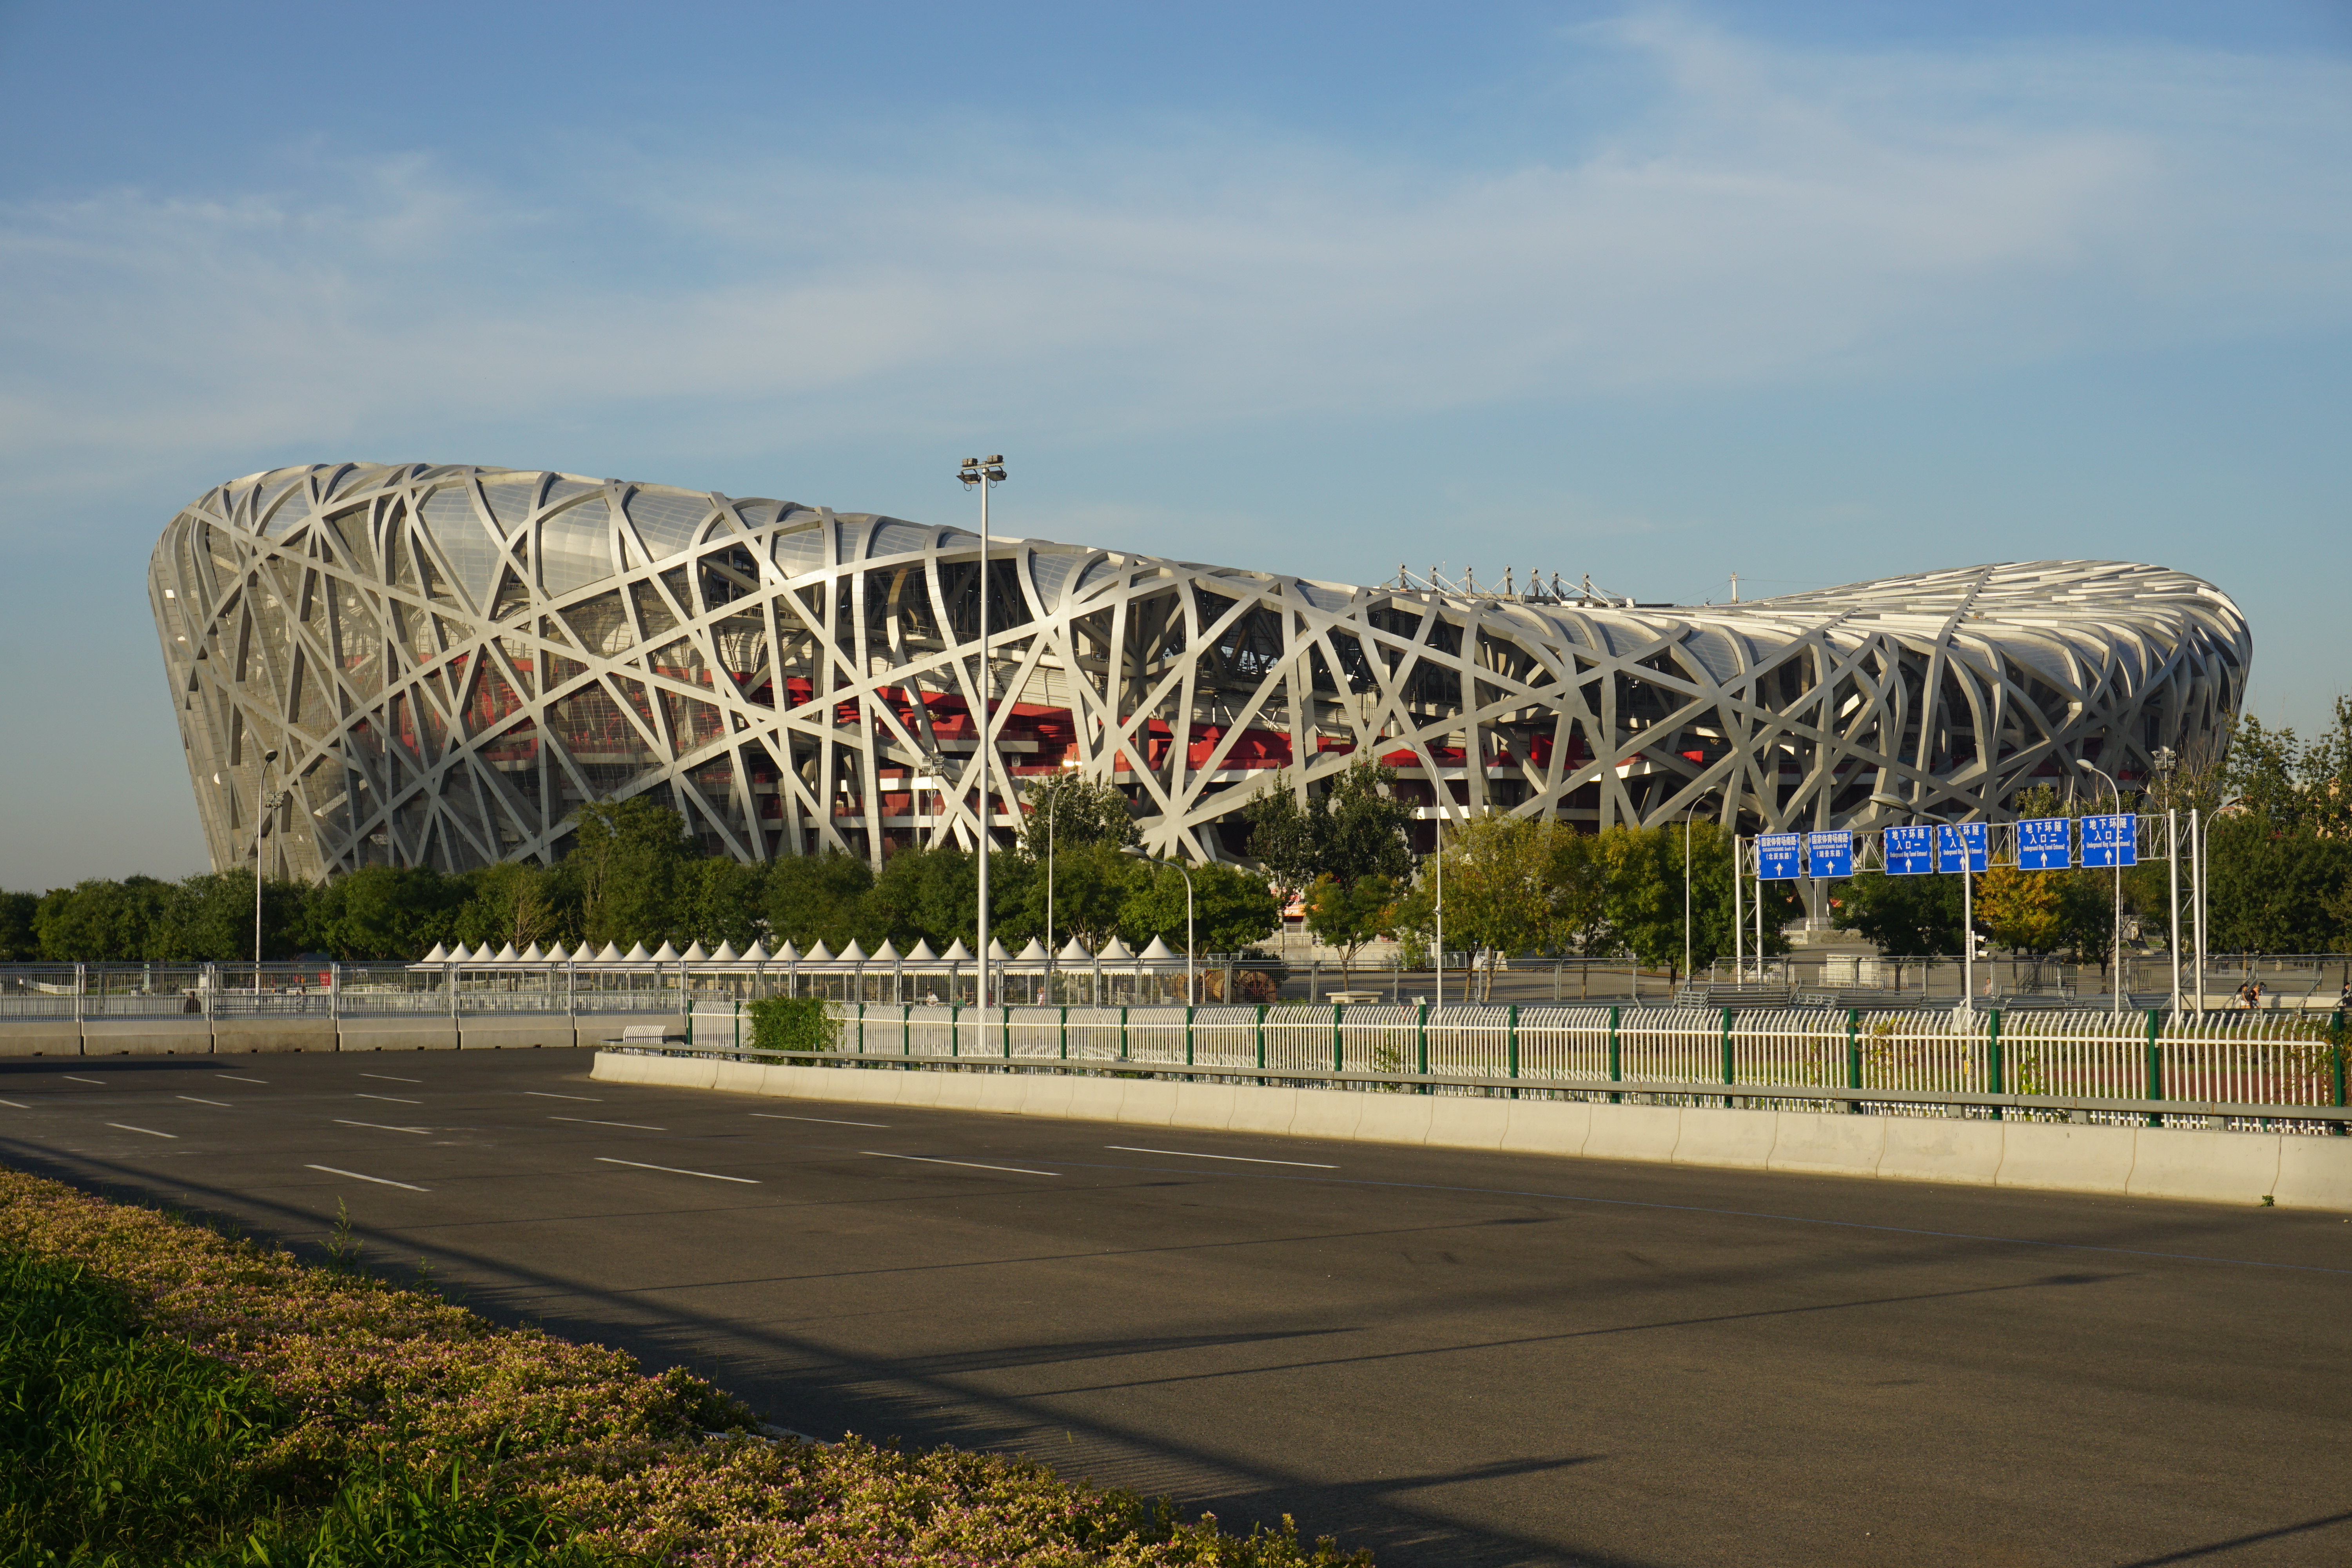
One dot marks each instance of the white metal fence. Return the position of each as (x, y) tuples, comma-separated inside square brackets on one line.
[(2260, 1066)]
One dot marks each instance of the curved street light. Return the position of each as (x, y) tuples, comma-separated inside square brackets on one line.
[(2115, 951), (987, 473)]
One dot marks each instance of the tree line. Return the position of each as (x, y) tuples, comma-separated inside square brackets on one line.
[(2280, 865)]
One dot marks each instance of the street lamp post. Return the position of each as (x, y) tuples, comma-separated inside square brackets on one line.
[(2165, 760), (987, 473), (2116, 952), (264, 803), (1192, 990), (1686, 891), (1053, 800)]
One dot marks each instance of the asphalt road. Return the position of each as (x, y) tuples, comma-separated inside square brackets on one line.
[(1451, 1357)]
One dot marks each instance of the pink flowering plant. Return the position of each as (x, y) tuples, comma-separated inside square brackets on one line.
[(571, 1445)]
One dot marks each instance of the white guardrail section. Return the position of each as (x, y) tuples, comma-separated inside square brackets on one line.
[(2264, 1066)]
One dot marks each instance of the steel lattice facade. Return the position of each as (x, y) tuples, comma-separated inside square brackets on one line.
[(451, 660)]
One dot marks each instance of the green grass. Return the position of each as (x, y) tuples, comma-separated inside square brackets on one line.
[(119, 1444)]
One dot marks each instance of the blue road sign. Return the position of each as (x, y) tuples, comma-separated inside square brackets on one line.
[(1960, 846), (1830, 854), (2045, 843), (1909, 852), (1776, 856), (2110, 841)]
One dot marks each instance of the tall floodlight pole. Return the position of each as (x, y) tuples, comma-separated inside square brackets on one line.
[(1740, 918), (2115, 952), (987, 473), (2196, 898), (1444, 789), (263, 805), (2165, 760), (1688, 977)]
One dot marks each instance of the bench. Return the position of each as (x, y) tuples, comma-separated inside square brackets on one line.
[(652, 1037)]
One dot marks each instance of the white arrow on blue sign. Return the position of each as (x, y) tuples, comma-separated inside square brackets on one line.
[(1909, 852), (1830, 854), (2045, 843), (1960, 846), (2110, 841)]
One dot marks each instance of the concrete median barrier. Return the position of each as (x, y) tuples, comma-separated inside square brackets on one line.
[(40, 1037), (2240, 1168), (173, 1035)]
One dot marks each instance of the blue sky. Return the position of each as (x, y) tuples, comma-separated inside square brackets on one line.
[(1811, 293)]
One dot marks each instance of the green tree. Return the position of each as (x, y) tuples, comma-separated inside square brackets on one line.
[(383, 912), (720, 899), (1347, 915), (1089, 887), (821, 898), (1647, 898), (19, 941), (103, 921), (926, 895), (1232, 907), (1071, 811), (1903, 917), (623, 870), (1356, 827), (517, 902)]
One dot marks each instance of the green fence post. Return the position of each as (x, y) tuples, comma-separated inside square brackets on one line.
[(1616, 1060), (738, 1031), (1994, 1076), (1421, 1039), (1187, 1034), (1122, 1034), (1339, 1048), (1065, 1030), (906, 1029), (1008, 1031), (1261, 1037), (2336, 1034), (1511, 1046), (1853, 1055), (861, 1028), (2155, 1066), (955, 1034), (1728, 1076)]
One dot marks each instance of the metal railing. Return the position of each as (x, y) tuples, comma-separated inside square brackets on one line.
[(2234, 1070)]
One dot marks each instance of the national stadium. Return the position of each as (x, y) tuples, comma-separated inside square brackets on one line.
[(449, 661)]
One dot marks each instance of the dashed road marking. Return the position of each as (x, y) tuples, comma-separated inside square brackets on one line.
[(1242, 1159), (381, 1127), (827, 1121), (148, 1131), (379, 1181), (193, 1100), (967, 1165), (391, 1098), (590, 1122), (673, 1169)]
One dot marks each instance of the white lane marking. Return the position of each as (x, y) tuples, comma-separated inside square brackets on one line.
[(392, 1099), (542, 1094), (11, 1103), (238, 1077), (828, 1120), (673, 1169), (967, 1165), (224, 1104), (73, 1078), (1244, 1159), (389, 1077), (148, 1131), (381, 1127), (592, 1121), (379, 1181)]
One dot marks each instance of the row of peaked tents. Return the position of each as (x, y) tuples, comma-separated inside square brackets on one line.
[(1157, 955)]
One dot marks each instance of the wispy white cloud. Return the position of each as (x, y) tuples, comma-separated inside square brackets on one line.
[(1773, 215)]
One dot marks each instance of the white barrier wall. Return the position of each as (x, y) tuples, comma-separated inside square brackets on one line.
[(2243, 1168)]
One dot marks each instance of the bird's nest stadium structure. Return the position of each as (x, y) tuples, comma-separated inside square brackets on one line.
[(449, 661)]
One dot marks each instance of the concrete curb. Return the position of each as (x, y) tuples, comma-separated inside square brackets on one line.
[(2243, 1168)]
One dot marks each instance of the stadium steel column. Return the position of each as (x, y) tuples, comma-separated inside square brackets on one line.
[(2116, 952), (263, 807), (985, 472)]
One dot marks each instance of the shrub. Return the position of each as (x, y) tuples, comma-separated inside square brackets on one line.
[(792, 1023)]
